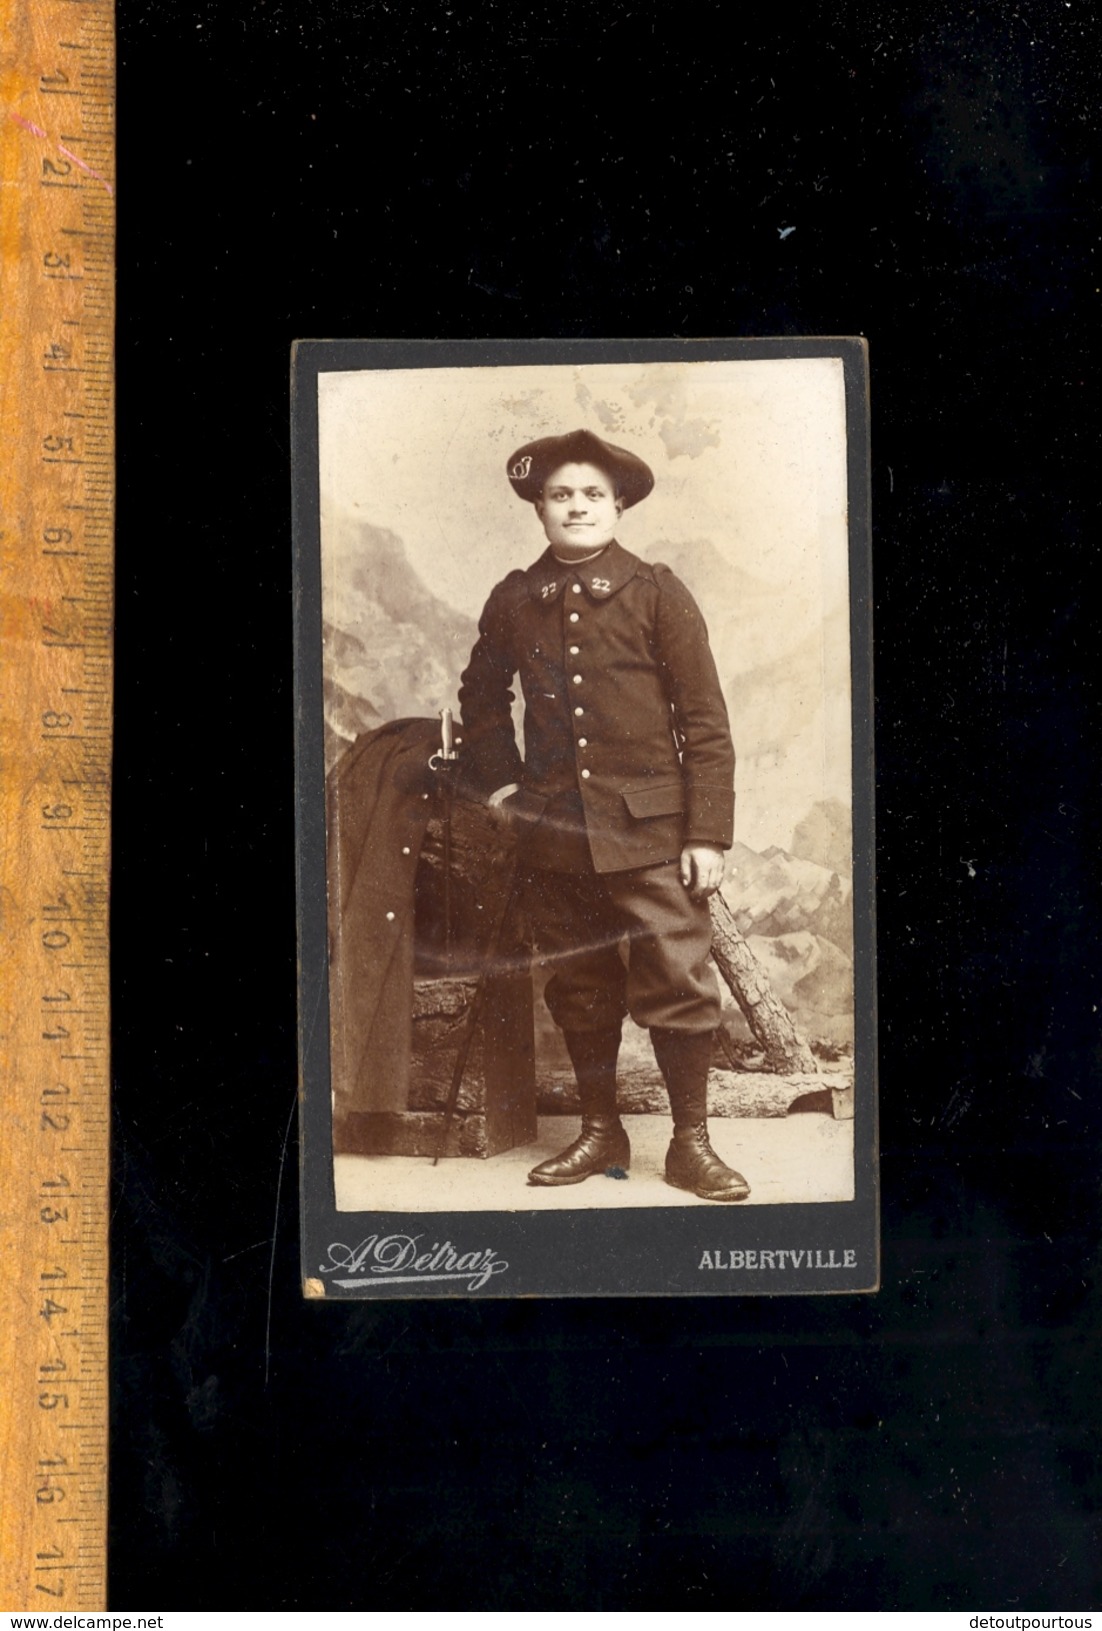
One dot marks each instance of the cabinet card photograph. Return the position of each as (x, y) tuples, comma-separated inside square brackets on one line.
[(584, 757)]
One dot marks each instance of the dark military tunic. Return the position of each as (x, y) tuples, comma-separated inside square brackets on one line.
[(627, 758), (625, 729)]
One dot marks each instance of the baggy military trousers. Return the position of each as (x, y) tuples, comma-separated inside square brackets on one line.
[(619, 943)]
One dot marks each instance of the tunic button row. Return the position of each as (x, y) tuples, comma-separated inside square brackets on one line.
[(574, 616), (574, 650), (583, 741), (577, 679), (577, 588)]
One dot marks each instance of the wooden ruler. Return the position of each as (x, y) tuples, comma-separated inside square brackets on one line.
[(57, 221)]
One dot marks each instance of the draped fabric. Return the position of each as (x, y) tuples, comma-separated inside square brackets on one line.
[(380, 798)]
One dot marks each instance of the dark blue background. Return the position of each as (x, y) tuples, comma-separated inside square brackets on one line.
[(489, 169)]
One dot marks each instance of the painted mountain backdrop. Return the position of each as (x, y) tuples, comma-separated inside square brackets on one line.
[(797, 916), (391, 647), (784, 663)]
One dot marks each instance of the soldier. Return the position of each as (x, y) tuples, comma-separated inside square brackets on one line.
[(623, 801)]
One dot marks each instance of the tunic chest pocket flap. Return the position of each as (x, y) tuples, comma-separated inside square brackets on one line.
[(654, 798)]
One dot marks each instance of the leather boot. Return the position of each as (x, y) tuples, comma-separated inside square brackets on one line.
[(602, 1142), (691, 1163)]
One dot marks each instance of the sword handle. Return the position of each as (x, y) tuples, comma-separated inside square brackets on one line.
[(447, 735)]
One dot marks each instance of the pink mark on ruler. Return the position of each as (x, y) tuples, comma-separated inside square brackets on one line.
[(37, 130), (87, 168), (25, 124)]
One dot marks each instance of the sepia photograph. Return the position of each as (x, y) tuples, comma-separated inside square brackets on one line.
[(586, 721)]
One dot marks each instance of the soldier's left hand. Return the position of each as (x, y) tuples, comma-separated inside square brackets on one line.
[(701, 869)]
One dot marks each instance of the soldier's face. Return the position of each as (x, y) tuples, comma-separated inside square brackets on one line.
[(579, 509)]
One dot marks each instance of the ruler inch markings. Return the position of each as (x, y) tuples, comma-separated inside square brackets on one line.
[(57, 231)]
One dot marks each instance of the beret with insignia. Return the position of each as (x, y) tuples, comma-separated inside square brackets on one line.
[(530, 466)]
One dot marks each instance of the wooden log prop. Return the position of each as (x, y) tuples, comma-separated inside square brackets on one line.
[(786, 1052)]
